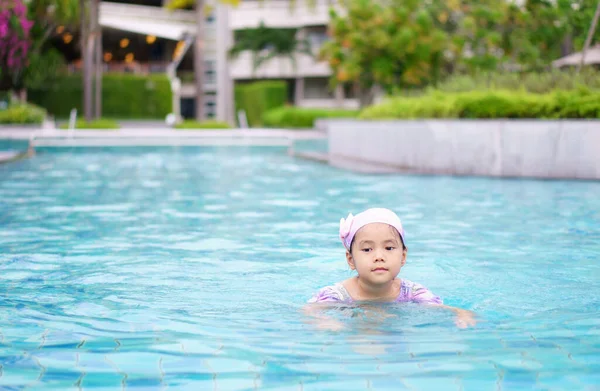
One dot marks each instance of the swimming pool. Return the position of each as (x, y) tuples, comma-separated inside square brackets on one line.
[(187, 268)]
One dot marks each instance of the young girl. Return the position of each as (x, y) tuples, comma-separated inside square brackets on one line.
[(376, 248)]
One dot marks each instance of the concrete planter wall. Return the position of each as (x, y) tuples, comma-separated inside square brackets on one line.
[(504, 148)]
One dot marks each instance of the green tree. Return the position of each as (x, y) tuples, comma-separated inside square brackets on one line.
[(45, 62), (43, 67), (546, 27), (481, 32), (385, 44), (50, 14), (579, 15), (266, 43), (15, 43), (590, 35)]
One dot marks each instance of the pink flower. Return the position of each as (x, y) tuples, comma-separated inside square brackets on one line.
[(20, 9), (26, 25), (14, 42), (345, 227)]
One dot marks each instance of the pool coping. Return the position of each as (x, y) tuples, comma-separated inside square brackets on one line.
[(351, 164), (131, 137), (12, 156), (7, 156), (161, 137)]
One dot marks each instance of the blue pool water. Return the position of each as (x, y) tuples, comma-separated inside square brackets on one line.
[(187, 268)]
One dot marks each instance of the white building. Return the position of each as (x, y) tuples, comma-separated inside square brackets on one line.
[(308, 80)]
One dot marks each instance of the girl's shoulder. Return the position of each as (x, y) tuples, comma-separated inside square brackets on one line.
[(331, 293), (409, 285), (416, 292)]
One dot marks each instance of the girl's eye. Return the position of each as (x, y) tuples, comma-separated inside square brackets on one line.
[(366, 250), (390, 248)]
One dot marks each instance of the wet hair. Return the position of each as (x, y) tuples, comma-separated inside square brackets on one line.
[(395, 233)]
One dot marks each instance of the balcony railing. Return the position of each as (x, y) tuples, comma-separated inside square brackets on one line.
[(276, 13), (187, 77), (136, 68), (278, 67)]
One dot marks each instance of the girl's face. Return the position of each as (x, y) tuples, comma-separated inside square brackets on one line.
[(377, 253)]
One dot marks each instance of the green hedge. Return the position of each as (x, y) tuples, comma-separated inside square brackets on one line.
[(536, 82), (489, 105), (103, 123), (191, 124), (297, 117), (259, 97), (434, 105), (22, 113), (123, 96)]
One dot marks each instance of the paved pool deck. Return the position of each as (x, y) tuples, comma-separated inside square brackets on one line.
[(159, 137), (132, 136), (11, 156), (8, 155)]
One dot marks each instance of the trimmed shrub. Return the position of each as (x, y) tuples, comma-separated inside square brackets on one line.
[(536, 82), (191, 124), (123, 96), (259, 97), (435, 105), (102, 123), (22, 113), (490, 105), (504, 104), (298, 117)]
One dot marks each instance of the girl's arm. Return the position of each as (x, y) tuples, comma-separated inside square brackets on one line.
[(314, 313), (464, 318), (319, 303)]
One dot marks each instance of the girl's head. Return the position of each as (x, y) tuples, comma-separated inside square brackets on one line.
[(350, 226), (375, 245)]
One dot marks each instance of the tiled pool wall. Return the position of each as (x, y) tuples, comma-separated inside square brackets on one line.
[(317, 145), (13, 144), (299, 145), (504, 148)]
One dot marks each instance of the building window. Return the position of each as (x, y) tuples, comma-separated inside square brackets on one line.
[(188, 107), (317, 88), (349, 91), (316, 37), (210, 75), (210, 109), (210, 18)]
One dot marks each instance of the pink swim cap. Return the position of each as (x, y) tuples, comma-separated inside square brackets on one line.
[(351, 224)]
